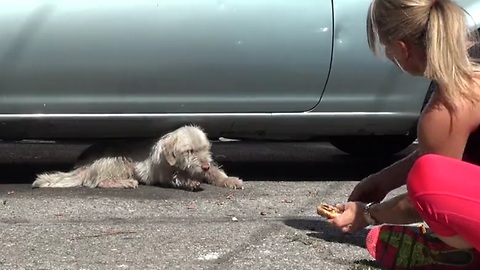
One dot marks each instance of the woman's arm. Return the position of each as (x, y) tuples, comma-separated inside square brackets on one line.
[(375, 187), (397, 210), (440, 132), (395, 175)]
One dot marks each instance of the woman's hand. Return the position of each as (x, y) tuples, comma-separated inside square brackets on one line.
[(352, 219), (370, 189)]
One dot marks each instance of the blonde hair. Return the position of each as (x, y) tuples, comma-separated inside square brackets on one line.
[(441, 28)]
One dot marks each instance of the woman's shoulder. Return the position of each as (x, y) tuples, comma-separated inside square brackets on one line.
[(464, 115)]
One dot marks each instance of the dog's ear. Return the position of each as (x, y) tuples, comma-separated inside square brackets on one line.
[(170, 157), (169, 150)]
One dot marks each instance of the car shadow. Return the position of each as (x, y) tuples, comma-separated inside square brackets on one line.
[(20, 163)]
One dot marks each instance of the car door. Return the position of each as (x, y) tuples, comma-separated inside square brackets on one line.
[(72, 57)]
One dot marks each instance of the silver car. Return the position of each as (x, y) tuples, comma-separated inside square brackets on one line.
[(250, 70)]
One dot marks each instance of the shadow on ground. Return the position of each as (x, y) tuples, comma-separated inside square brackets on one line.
[(20, 163), (320, 229), (366, 265)]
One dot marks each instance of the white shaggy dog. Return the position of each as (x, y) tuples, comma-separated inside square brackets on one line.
[(180, 159)]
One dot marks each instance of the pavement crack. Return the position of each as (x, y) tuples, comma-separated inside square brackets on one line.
[(106, 233)]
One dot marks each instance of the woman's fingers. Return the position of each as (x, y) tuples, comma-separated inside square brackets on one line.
[(342, 220), (340, 206), (350, 221)]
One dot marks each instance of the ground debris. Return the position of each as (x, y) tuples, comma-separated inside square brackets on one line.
[(191, 206)]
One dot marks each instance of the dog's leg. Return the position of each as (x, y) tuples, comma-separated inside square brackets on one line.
[(186, 183), (217, 177), (115, 183)]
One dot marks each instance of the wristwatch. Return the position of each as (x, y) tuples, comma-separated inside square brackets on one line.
[(368, 216)]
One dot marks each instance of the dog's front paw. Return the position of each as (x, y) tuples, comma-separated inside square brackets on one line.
[(234, 183), (192, 185), (131, 183)]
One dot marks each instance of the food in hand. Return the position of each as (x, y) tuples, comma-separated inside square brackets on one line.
[(328, 211)]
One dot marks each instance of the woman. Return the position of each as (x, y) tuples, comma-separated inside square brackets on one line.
[(426, 38)]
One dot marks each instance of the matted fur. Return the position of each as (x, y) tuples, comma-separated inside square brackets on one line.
[(180, 159)]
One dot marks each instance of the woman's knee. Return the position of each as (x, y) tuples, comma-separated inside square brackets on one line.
[(424, 174)]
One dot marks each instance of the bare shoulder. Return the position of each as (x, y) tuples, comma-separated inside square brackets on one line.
[(443, 131)]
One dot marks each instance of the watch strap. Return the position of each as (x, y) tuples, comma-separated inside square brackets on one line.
[(368, 215)]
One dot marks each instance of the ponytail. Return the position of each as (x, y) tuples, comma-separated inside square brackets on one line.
[(448, 61)]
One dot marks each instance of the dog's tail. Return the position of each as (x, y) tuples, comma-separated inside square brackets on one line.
[(74, 178)]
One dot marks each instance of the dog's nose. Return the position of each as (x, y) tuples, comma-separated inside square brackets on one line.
[(205, 167)]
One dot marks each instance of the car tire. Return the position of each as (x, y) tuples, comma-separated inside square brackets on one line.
[(372, 145)]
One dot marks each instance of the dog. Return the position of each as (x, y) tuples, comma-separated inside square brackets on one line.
[(180, 159)]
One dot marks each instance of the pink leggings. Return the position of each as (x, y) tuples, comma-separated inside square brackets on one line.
[(446, 192)]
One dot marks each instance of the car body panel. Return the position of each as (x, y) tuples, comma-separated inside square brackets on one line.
[(360, 81), (164, 56), (107, 74)]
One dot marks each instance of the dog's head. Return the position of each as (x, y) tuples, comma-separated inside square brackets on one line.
[(188, 149)]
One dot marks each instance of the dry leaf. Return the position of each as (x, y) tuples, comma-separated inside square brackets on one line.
[(230, 197), (191, 206), (220, 202), (287, 201), (263, 213)]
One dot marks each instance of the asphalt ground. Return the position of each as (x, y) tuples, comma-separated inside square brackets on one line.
[(271, 224)]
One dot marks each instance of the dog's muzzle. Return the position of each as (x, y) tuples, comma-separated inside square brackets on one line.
[(205, 167)]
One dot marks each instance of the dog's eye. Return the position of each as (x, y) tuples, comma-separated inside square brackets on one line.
[(190, 151)]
